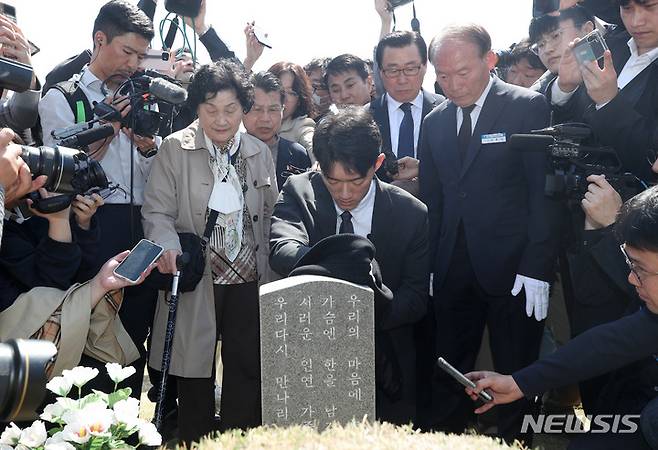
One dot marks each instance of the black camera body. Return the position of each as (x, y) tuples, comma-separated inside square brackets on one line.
[(187, 8), (142, 120), (15, 76)]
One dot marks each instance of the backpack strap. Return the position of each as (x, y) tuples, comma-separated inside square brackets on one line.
[(77, 100)]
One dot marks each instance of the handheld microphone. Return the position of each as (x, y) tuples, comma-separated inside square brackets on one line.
[(167, 91), (530, 142), (89, 136)]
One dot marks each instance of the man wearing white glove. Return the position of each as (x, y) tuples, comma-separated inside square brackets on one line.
[(536, 295), (491, 238)]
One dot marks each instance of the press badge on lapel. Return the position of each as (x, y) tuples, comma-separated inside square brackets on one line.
[(494, 138)]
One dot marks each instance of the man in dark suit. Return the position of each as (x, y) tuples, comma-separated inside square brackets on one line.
[(490, 237), (608, 346), (347, 197), (402, 61), (264, 121)]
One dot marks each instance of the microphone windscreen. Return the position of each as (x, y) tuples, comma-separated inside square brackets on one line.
[(167, 91), (89, 136)]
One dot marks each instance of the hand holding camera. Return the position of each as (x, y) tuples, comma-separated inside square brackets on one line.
[(84, 207), (10, 158), (601, 203)]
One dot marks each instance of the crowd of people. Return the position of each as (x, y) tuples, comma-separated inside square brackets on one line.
[(471, 230)]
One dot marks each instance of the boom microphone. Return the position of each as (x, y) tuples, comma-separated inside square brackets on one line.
[(168, 92), (89, 136), (530, 142)]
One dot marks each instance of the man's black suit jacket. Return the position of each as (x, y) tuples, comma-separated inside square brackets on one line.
[(290, 154), (497, 193), (379, 110), (305, 213), (597, 351)]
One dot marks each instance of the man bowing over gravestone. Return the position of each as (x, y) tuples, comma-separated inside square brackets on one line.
[(347, 197)]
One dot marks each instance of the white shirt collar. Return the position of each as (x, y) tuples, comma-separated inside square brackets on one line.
[(366, 202), (417, 102), (87, 77), (480, 101), (650, 56)]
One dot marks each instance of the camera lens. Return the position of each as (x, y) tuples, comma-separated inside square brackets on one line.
[(69, 171), (23, 377)]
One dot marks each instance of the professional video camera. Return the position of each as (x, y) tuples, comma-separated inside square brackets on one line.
[(572, 161), (144, 88), (70, 172), (23, 377)]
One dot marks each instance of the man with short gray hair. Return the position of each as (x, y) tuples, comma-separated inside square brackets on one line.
[(490, 239)]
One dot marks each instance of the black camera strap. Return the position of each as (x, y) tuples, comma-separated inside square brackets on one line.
[(77, 100)]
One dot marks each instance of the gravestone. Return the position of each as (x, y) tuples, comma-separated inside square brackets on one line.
[(317, 351)]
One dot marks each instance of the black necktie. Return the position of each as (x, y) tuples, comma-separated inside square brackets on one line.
[(406, 135), (346, 223), (465, 131)]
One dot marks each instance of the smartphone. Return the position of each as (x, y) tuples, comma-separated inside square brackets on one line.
[(140, 258), (461, 379), (158, 60), (9, 11), (590, 48), (262, 37)]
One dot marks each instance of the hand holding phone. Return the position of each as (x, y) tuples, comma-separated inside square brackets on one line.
[(590, 48), (461, 379), (139, 260)]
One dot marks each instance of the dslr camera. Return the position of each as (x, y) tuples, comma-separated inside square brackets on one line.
[(69, 172)]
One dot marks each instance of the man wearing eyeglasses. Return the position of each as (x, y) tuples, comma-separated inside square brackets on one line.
[(550, 36), (632, 339), (491, 244), (264, 121), (399, 113)]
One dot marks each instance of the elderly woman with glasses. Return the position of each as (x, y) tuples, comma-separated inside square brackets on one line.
[(297, 125), (212, 166)]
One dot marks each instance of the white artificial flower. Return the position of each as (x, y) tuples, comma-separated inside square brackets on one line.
[(76, 432), (6, 447), (79, 376), (148, 434), (11, 435), (127, 412), (98, 420), (60, 386), (118, 373), (34, 436), (53, 413), (57, 442)]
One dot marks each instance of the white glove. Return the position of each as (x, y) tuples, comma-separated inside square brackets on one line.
[(536, 295)]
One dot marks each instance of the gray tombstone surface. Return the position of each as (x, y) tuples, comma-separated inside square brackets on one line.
[(317, 351)]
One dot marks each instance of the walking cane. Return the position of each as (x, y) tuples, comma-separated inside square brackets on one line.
[(181, 261)]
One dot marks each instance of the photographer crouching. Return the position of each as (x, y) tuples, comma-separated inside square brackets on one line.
[(39, 262)]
